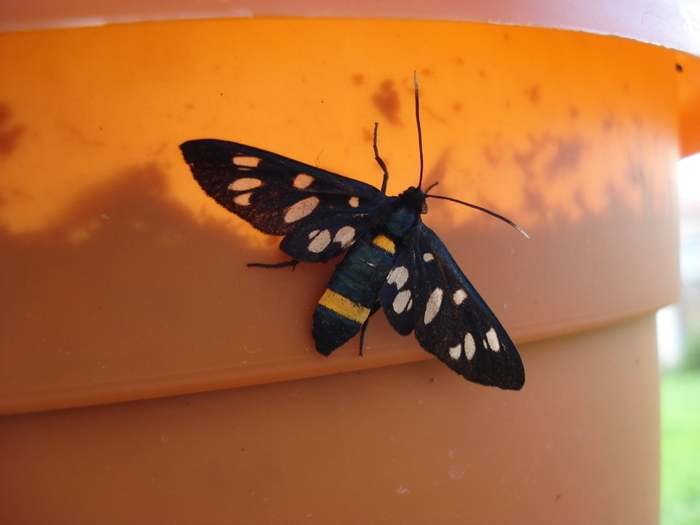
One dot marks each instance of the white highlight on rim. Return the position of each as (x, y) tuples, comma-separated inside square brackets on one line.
[(354, 202), (246, 162), (456, 352), (427, 257), (301, 209), (398, 276), (243, 199), (345, 236), (433, 306), (459, 296), (492, 339), (402, 301), (245, 184), (320, 241), (469, 346), (302, 181)]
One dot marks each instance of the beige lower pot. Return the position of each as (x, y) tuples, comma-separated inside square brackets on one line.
[(147, 375), (407, 443)]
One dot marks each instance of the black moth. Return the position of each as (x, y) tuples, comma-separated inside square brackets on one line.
[(392, 260)]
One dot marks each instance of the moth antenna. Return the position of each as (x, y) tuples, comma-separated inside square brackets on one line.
[(420, 133), (431, 187), (493, 214)]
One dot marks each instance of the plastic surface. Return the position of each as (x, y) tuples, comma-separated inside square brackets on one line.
[(410, 444), (121, 280), (670, 23), (673, 24)]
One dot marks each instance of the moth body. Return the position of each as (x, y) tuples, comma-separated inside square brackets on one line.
[(352, 292)]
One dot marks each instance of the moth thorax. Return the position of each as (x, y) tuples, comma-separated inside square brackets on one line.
[(401, 221)]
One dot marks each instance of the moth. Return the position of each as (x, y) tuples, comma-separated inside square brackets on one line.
[(393, 261)]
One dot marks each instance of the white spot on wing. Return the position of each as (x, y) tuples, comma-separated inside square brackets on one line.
[(469, 346), (433, 306), (354, 202), (398, 276), (456, 352), (301, 209), (427, 257), (492, 339), (243, 199), (302, 181), (246, 162), (459, 296), (402, 301), (345, 236), (245, 184), (320, 241)]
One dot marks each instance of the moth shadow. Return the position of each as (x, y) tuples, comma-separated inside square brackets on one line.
[(128, 282)]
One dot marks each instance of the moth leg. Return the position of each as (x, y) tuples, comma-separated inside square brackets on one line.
[(373, 311), (379, 160), (293, 263)]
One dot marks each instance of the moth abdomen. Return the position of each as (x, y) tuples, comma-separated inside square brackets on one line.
[(352, 292)]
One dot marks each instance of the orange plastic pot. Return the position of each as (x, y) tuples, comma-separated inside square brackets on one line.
[(147, 375)]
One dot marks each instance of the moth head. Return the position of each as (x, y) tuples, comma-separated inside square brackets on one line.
[(414, 198)]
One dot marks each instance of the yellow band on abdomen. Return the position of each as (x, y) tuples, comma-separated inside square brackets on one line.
[(344, 306), (384, 243)]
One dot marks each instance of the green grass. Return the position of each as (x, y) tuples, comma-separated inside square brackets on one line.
[(680, 448)]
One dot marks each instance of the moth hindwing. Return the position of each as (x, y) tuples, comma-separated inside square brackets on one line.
[(391, 258)]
